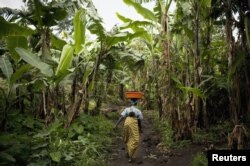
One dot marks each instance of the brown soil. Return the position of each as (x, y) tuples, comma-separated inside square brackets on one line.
[(150, 151)]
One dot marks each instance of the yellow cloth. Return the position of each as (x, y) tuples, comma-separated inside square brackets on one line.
[(131, 134)]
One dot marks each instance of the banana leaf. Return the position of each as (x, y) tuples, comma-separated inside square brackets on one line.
[(6, 66), (79, 28), (144, 12), (13, 29), (16, 41), (35, 61), (65, 60)]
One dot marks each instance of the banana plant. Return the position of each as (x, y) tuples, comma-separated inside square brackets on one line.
[(16, 34), (41, 16), (48, 73), (11, 75), (154, 29), (187, 61), (7, 94), (106, 41)]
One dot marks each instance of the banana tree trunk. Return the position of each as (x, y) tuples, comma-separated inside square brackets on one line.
[(74, 85), (159, 101), (233, 87), (247, 61), (197, 65), (20, 104), (207, 46), (121, 91), (83, 92), (107, 83), (157, 90), (163, 100)]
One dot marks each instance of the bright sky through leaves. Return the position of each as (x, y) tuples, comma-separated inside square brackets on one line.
[(106, 10)]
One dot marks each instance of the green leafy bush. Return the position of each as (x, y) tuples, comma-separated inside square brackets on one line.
[(165, 128), (200, 160), (83, 143), (216, 134)]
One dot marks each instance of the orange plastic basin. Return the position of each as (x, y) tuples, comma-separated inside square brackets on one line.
[(133, 95)]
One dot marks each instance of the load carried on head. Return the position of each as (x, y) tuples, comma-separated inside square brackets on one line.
[(133, 95)]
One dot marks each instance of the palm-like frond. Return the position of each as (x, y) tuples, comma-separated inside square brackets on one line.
[(9, 14), (158, 11), (94, 23), (144, 12), (13, 29)]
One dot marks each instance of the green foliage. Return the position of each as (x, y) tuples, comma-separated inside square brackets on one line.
[(92, 104), (161, 8), (247, 26), (123, 18), (65, 59), (82, 143), (6, 67), (139, 27), (206, 3), (158, 11), (14, 148), (146, 13), (113, 115), (164, 127), (16, 41), (35, 61), (45, 15), (134, 25), (28, 141), (200, 160), (13, 29), (79, 27), (216, 134), (15, 145), (185, 89), (57, 43), (95, 22), (19, 73), (237, 63)]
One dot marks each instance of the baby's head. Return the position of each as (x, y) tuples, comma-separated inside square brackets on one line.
[(131, 114)]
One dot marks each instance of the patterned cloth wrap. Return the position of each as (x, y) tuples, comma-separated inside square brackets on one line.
[(131, 135), (131, 129)]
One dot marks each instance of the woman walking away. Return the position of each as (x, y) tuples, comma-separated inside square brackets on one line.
[(131, 134), (132, 127), (132, 108)]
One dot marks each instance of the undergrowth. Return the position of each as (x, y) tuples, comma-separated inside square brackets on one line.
[(27, 142), (200, 160), (165, 128), (216, 134)]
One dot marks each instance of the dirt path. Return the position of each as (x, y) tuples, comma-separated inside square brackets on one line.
[(184, 157), (149, 153)]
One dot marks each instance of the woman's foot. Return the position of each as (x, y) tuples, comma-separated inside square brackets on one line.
[(130, 160)]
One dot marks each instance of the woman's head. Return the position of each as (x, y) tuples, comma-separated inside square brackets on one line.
[(134, 101)]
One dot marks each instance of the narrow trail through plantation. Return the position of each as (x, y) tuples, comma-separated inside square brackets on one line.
[(150, 151)]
